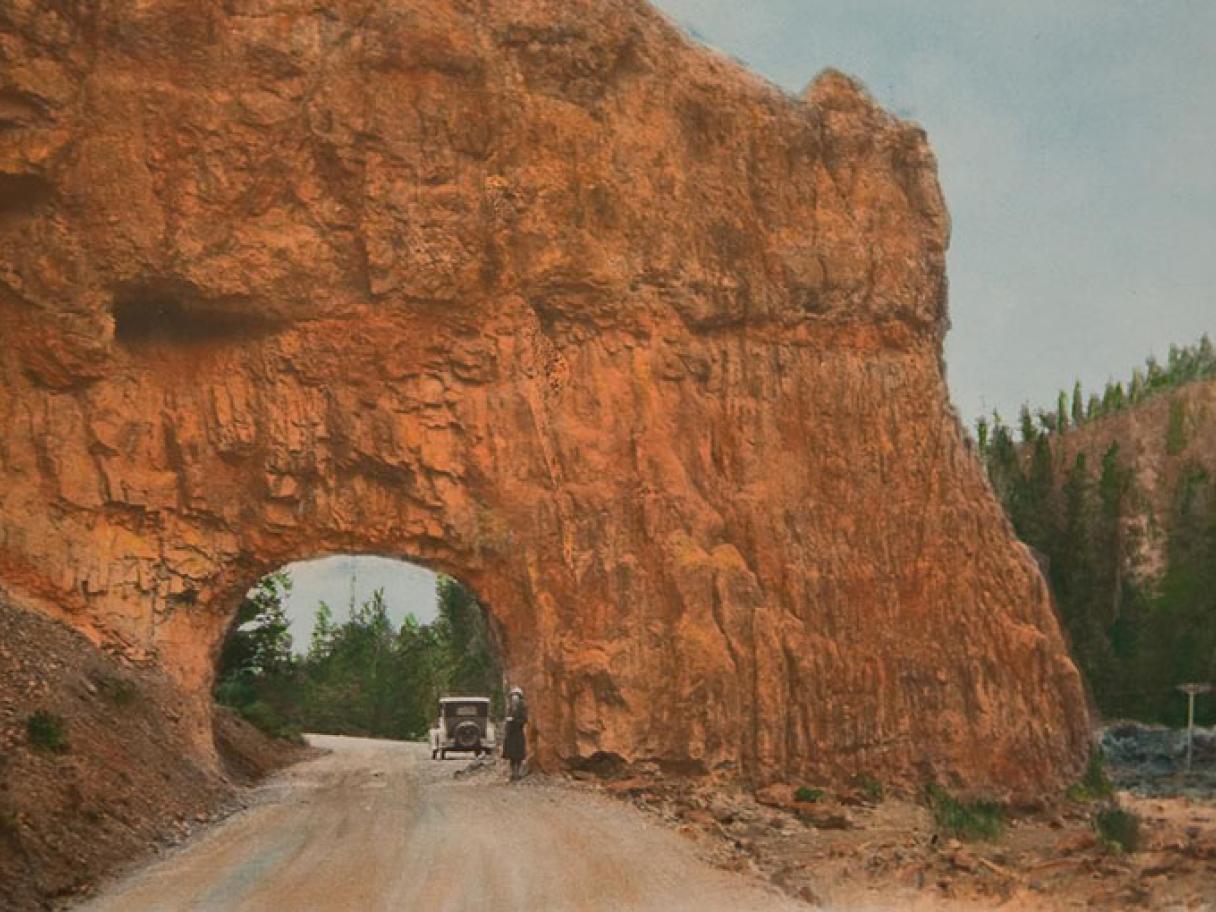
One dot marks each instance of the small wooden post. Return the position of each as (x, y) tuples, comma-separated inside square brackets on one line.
[(1191, 690)]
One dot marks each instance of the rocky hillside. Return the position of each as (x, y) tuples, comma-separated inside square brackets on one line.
[(96, 765)]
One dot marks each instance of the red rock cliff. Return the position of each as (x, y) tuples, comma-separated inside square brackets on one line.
[(540, 295)]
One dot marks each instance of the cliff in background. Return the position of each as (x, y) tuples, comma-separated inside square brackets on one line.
[(1168, 445), (540, 295), (1121, 506)]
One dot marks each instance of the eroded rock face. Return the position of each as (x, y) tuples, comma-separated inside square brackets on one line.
[(542, 296)]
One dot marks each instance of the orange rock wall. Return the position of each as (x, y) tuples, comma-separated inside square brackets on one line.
[(538, 294)]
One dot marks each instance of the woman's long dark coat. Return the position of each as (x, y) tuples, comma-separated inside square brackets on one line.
[(515, 742)]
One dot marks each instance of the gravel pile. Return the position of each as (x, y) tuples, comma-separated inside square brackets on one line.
[(1151, 759)]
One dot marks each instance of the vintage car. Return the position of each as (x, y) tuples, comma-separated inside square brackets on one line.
[(464, 725)]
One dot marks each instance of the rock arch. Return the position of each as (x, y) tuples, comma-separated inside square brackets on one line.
[(537, 294)]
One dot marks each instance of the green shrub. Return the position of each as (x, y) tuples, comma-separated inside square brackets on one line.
[(47, 732), (1118, 829), (268, 720), (967, 820), (1175, 435), (235, 691), (119, 691), (869, 787), (10, 829), (1094, 785), (810, 795), (262, 716)]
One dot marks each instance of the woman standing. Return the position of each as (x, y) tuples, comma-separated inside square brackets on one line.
[(515, 741)]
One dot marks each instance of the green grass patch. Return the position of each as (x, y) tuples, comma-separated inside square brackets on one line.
[(121, 692), (1094, 785), (966, 820), (47, 732), (809, 795), (871, 789), (1118, 829), (268, 720), (10, 827)]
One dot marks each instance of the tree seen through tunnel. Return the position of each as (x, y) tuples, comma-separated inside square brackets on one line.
[(360, 673)]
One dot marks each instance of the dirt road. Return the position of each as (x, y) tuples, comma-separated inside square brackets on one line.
[(378, 825)]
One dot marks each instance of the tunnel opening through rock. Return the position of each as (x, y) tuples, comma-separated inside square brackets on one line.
[(359, 646)]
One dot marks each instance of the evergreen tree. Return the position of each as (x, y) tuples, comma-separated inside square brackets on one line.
[(256, 665), (1114, 483), (322, 632), (1155, 377), (463, 624), (260, 641), (1076, 572), (1136, 391), (1206, 358), (1001, 461), (1181, 644), (1175, 432), (1078, 405), (1033, 504), (1026, 423), (981, 435)]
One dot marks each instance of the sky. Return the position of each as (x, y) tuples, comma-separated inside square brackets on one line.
[(1075, 142), (408, 589)]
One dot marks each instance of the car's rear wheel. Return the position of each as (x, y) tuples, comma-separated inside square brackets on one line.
[(467, 736)]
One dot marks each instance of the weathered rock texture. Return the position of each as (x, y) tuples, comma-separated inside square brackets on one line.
[(540, 295)]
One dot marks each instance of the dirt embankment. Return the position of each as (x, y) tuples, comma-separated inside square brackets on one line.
[(104, 773), (849, 850)]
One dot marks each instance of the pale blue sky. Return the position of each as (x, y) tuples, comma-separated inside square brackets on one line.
[(408, 589), (1075, 140)]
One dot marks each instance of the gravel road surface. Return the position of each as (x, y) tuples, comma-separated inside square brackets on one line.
[(378, 825)]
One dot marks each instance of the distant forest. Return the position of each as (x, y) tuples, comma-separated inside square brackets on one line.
[(1183, 365), (1134, 640), (360, 676)]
